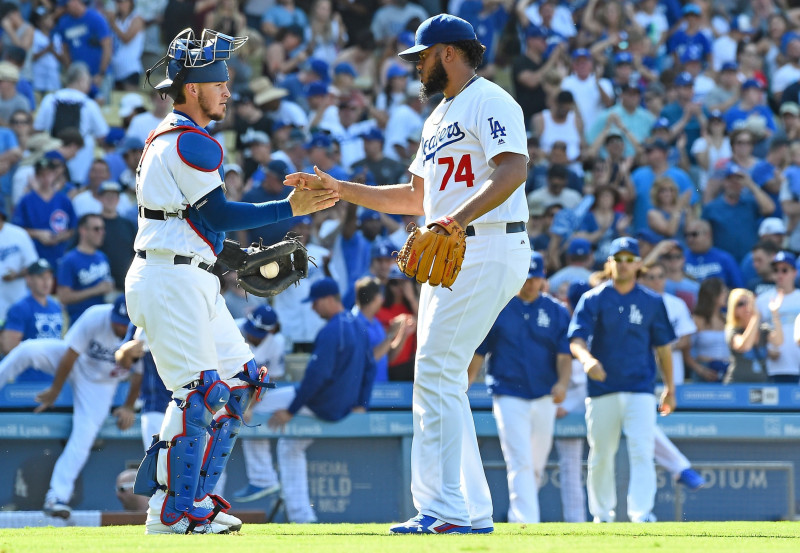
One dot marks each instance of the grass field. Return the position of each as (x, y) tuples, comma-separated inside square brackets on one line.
[(686, 537)]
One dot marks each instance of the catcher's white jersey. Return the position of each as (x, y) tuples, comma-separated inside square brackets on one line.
[(168, 183), (459, 140)]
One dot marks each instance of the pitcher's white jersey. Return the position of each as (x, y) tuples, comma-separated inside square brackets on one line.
[(170, 180), (459, 140), (92, 337)]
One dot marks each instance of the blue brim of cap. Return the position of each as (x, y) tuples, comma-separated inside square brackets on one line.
[(412, 54), (536, 274)]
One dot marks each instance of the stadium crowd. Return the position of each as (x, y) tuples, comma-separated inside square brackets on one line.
[(674, 123)]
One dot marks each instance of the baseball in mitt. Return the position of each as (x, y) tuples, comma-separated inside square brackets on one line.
[(432, 257), (266, 270)]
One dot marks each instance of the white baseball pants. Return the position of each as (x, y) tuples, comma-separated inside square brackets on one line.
[(447, 477), (525, 428), (606, 417), (573, 495)]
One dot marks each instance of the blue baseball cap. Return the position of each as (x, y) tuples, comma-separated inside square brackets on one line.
[(579, 246), (656, 144), (784, 257), (715, 114), (396, 71), (278, 167), (581, 53), (39, 266), (439, 29), (536, 269), (301, 220), (742, 24), (317, 88), (319, 140), (119, 311), (535, 31), (730, 66), (261, 321), (322, 288), (345, 68), (691, 9), (109, 186), (734, 169), (318, 66), (382, 248), (661, 123), (787, 38), (622, 58), (576, 290), (368, 215), (752, 83), (406, 38), (624, 244), (649, 236), (684, 78), (373, 134), (115, 136)]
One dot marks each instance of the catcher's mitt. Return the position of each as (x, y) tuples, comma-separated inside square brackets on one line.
[(431, 257), (290, 256)]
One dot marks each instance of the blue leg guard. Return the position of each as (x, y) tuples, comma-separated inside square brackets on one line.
[(225, 429), (184, 460)]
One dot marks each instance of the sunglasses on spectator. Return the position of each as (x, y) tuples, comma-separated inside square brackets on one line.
[(742, 303), (97, 229), (672, 256), (627, 258), (650, 276), (693, 234), (748, 142), (20, 121), (783, 270)]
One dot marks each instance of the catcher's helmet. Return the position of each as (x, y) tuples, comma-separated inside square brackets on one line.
[(192, 60)]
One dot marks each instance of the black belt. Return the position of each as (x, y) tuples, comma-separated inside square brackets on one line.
[(158, 214), (511, 228), (181, 260)]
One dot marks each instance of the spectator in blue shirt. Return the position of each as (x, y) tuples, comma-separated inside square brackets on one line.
[(689, 35), (685, 116), (45, 212), (644, 177), (84, 274), (36, 316), (704, 261), (489, 18), (751, 110), (732, 206), (283, 14), (626, 323), (87, 38), (338, 381), (529, 368), (385, 343)]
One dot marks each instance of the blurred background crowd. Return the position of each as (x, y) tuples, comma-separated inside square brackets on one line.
[(675, 123)]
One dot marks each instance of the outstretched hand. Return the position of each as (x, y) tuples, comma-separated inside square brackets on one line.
[(305, 201), (319, 180)]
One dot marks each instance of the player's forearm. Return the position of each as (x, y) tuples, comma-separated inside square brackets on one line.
[(401, 199), (509, 175), (133, 390), (664, 356), (68, 296), (564, 368), (474, 368), (64, 369), (580, 350)]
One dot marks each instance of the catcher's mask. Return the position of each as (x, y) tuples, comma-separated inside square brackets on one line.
[(192, 60)]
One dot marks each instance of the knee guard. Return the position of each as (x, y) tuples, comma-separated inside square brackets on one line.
[(225, 428), (184, 456)]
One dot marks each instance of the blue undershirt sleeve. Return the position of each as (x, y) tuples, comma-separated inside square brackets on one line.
[(224, 216)]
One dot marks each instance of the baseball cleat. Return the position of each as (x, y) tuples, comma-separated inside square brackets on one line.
[(485, 530), (691, 479), (56, 508), (251, 492), (182, 527), (426, 524), (649, 517), (233, 523)]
